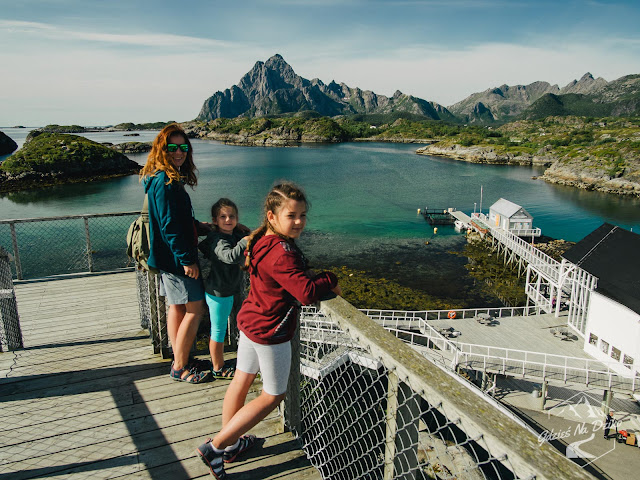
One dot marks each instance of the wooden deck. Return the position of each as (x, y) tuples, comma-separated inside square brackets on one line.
[(86, 397)]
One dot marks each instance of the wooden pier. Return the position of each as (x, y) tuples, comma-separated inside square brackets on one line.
[(437, 216), (87, 398)]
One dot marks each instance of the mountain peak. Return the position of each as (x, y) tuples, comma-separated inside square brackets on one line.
[(273, 87), (276, 59)]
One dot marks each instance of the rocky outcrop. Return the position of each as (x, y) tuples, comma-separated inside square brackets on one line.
[(481, 154), (7, 145), (271, 138), (273, 88), (51, 159), (130, 147), (590, 176), (554, 248)]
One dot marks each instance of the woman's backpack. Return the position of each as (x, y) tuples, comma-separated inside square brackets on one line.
[(139, 240)]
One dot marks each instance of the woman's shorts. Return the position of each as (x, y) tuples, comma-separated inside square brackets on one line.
[(219, 311), (272, 361), (180, 290)]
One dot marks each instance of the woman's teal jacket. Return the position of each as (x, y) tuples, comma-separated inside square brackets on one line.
[(173, 233)]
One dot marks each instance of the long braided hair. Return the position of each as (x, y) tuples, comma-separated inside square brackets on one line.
[(278, 195)]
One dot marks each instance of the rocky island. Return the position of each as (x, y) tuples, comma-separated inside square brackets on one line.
[(592, 154), (51, 159), (7, 145)]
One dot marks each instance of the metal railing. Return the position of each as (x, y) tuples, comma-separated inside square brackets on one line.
[(366, 405), (412, 328), (48, 246)]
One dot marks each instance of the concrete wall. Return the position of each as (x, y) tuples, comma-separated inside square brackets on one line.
[(616, 325)]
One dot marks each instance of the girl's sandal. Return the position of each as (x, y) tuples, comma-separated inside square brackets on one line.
[(226, 371), (246, 442), (193, 376)]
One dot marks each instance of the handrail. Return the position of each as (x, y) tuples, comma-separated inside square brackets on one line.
[(68, 217)]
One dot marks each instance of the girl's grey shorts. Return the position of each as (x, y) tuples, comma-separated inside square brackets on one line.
[(272, 361), (180, 290)]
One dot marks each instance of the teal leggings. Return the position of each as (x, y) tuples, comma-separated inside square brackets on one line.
[(219, 311)]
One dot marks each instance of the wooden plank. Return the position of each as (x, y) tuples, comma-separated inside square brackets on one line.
[(92, 401)]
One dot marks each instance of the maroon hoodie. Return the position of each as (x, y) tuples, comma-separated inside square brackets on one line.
[(278, 283)]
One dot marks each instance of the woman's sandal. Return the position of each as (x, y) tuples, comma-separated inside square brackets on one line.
[(246, 442), (194, 375), (227, 371)]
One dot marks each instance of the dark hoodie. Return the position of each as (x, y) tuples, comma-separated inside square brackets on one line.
[(174, 238), (278, 283)]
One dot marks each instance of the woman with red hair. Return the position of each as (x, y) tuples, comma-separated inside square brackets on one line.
[(174, 240)]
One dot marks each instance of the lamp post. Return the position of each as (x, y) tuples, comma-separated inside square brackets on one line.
[(474, 207)]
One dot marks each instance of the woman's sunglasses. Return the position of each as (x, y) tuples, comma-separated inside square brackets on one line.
[(172, 147)]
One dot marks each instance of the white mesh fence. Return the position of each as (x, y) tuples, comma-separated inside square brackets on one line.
[(360, 421)]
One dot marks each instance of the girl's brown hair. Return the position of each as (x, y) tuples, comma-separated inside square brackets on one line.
[(278, 195), (160, 159), (220, 204)]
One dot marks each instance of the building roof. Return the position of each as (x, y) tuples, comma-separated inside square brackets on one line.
[(507, 209), (611, 253)]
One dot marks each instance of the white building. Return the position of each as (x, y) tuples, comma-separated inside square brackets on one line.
[(514, 218), (613, 317)]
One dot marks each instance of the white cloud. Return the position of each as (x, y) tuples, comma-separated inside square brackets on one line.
[(52, 32)]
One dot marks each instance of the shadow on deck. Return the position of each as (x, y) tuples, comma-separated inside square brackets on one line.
[(87, 398)]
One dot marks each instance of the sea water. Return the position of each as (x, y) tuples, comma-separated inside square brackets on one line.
[(364, 200)]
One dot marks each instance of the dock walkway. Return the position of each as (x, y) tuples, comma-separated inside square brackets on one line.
[(86, 397)]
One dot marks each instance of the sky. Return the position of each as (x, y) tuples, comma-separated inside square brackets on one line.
[(102, 62)]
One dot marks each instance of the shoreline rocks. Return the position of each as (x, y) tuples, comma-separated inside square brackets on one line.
[(581, 173), (478, 154), (590, 178)]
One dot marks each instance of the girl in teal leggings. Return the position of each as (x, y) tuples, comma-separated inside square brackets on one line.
[(224, 247)]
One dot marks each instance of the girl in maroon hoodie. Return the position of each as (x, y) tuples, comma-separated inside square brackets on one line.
[(280, 282)]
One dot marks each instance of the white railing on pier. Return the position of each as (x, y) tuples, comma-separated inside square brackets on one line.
[(523, 249), (563, 281), (413, 328)]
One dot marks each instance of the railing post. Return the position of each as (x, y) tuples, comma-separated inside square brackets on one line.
[(163, 335), (403, 415), (88, 237), (142, 283), (291, 419), (153, 312), (10, 332), (16, 253)]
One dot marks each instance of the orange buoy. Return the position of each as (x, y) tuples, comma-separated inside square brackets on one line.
[(451, 314)]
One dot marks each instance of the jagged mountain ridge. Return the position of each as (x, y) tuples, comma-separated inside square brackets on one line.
[(617, 98), (272, 88), (508, 102)]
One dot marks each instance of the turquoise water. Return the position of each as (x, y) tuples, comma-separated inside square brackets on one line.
[(364, 200)]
